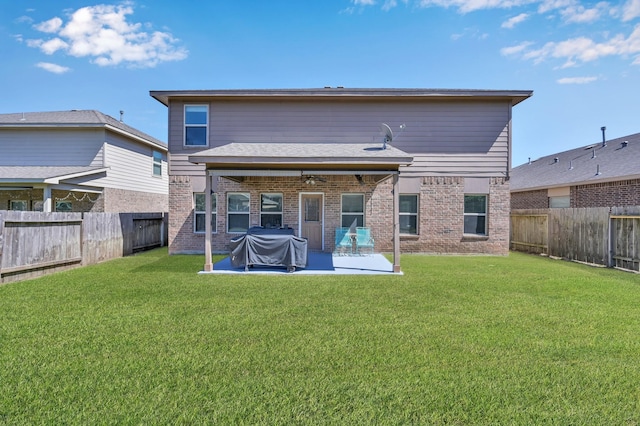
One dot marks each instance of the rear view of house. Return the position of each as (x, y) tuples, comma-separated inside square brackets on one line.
[(79, 161), (423, 170)]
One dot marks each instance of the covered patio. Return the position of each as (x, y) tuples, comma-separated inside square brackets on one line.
[(319, 264), (239, 161)]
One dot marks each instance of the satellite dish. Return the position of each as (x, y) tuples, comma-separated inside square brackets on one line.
[(387, 133)]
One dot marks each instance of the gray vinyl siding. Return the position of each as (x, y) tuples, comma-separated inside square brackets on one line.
[(33, 147), (131, 167), (444, 137)]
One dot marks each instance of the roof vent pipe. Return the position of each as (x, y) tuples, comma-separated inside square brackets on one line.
[(624, 144), (555, 160), (529, 160), (598, 170), (593, 154), (570, 164), (121, 115), (604, 140)]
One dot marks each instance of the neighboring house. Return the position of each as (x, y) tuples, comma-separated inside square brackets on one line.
[(80, 161), (603, 174), (314, 159)]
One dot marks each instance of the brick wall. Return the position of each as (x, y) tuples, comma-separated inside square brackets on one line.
[(123, 201), (530, 200), (441, 213), (111, 200), (608, 194)]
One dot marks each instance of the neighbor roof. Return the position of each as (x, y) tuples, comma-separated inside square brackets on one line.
[(74, 119), (592, 163), (45, 174), (514, 96)]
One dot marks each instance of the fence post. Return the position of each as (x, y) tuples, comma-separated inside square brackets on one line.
[(610, 242)]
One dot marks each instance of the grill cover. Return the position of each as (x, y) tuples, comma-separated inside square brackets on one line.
[(269, 247)]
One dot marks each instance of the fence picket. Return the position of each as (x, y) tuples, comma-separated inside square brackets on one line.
[(36, 243), (581, 234)]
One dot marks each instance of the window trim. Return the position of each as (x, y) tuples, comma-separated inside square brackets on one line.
[(229, 212), (214, 213), (416, 214), (185, 125), (485, 215), (281, 212), (364, 208), (156, 161)]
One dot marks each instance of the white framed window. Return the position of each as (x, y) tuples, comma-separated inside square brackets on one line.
[(19, 205), (352, 210), (238, 211), (409, 214), (157, 163), (64, 206), (200, 212), (196, 124), (271, 210), (475, 214)]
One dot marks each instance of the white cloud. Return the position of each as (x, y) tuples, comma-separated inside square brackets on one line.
[(514, 50), (50, 26), (102, 33), (364, 2), (583, 49), (389, 4), (24, 19), (576, 80), (512, 22), (631, 10), (579, 14), (54, 68)]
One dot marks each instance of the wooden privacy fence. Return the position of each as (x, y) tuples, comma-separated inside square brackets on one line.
[(603, 236), (37, 243)]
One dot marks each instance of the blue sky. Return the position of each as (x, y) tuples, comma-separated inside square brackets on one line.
[(581, 59)]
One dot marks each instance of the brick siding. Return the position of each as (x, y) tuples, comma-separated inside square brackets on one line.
[(530, 200), (440, 219), (608, 194)]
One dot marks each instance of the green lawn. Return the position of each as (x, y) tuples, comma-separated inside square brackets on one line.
[(456, 340)]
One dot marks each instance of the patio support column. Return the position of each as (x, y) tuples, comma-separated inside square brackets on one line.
[(208, 265), (396, 224), (47, 205)]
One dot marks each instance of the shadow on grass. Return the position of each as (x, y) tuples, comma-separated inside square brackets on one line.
[(158, 260)]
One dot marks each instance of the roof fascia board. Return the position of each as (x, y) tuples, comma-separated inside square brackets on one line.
[(515, 96), (56, 180)]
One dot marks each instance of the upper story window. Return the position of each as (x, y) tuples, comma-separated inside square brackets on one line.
[(352, 210), (196, 122), (408, 214), (157, 163), (475, 214)]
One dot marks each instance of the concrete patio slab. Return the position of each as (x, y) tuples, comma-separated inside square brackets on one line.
[(318, 264)]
